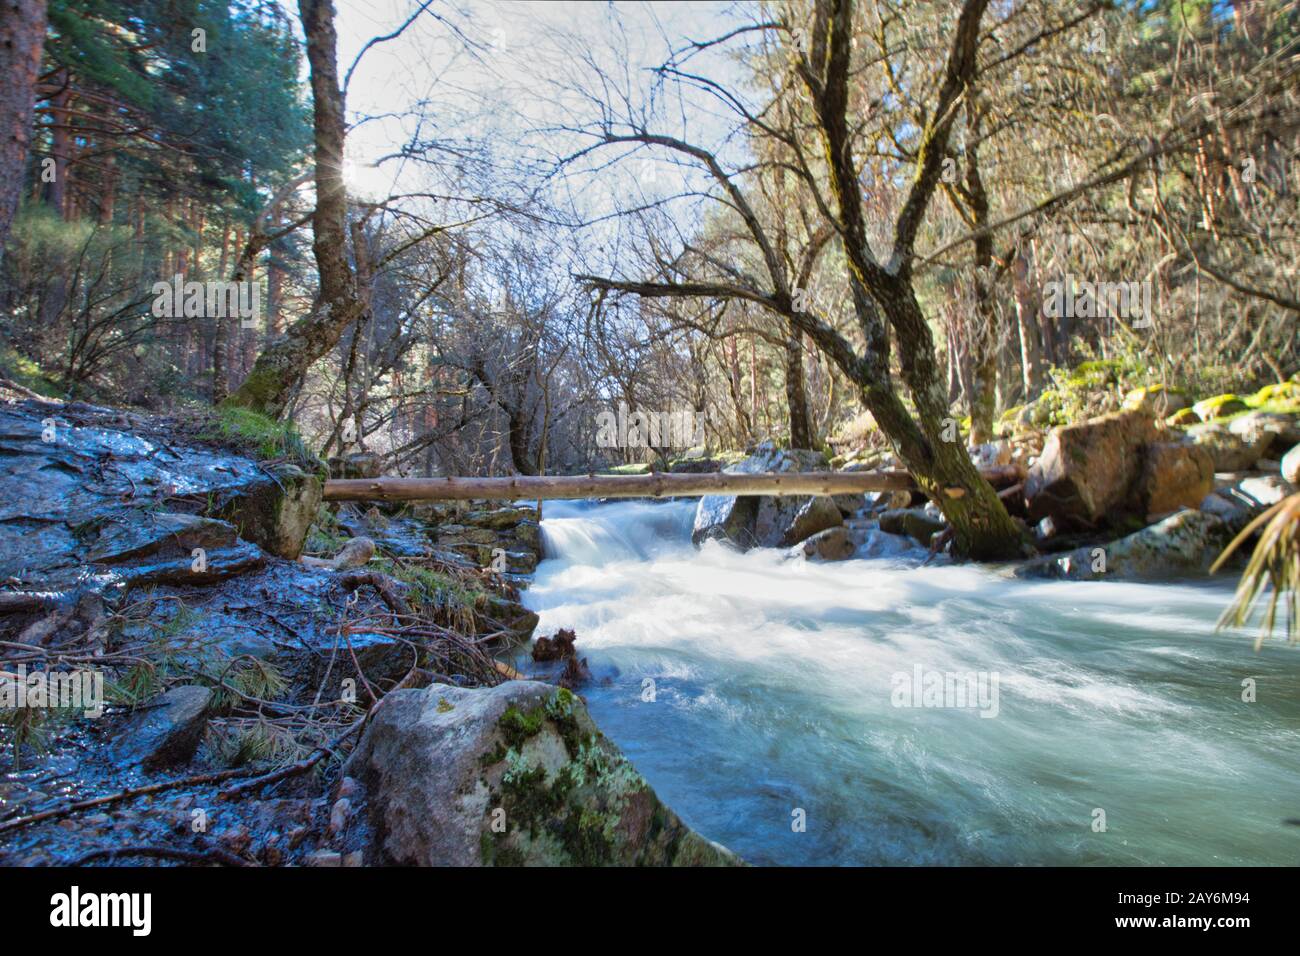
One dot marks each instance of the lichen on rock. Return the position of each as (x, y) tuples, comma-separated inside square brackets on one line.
[(510, 775)]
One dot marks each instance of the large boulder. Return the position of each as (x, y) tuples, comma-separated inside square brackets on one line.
[(1184, 544), (765, 521), (1230, 452), (276, 513), (1174, 475), (783, 521), (1087, 469), (513, 775)]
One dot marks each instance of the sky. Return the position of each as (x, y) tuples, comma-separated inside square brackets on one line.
[(513, 71)]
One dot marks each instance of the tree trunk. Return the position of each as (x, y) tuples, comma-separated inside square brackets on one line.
[(22, 37), (801, 432), (655, 485), (1027, 309), (284, 363)]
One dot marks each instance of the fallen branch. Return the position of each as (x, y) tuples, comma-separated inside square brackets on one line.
[(59, 812), (657, 485), (302, 766)]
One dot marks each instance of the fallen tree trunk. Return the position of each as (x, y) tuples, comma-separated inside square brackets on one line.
[(656, 485)]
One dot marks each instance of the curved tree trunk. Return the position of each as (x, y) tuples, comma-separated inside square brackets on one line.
[(284, 364)]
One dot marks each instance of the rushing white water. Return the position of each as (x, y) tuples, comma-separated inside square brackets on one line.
[(775, 690)]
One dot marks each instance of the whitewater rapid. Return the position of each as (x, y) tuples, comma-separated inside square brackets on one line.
[(773, 703)]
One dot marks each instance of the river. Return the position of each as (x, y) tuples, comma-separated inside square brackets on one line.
[(772, 703)]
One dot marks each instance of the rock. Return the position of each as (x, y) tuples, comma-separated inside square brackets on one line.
[(1229, 451), (359, 465), (1240, 501), (991, 454), (694, 466), (555, 648), (324, 858), (512, 615), (166, 732), (815, 514), (1182, 418), (762, 520), (882, 544), (1156, 400), (1087, 469), (1184, 544), (888, 500), (833, 544), (1175, 475), (339, 814), (913, 522), (850, 504), (160, 548), (1218, 407), (1291, 465), (1272, 432), (515, 774), (277, 513), (355, 554)]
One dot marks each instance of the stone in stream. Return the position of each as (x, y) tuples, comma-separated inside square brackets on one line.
[(912, 522), (167, 731), (512, 775), (1184, 544), (833, 544), (1174, 475), (765, 521), (1087, 469)]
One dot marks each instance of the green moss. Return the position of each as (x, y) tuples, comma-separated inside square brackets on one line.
[(1285, 394), (18, 368), (248, 431), (520, 727), (431, 589)]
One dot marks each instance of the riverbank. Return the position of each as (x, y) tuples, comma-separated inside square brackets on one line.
[(241, 643)]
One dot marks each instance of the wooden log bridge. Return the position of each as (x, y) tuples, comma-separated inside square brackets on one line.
[(654, 485)]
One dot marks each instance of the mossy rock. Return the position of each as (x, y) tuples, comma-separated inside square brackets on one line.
[(1183, 418), (1219, 406), (1279, 393), (1159, 400), (513, 775)]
